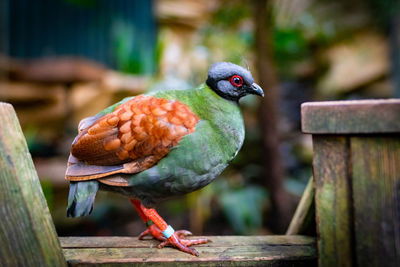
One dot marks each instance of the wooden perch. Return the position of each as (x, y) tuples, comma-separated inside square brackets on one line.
[(222, 251)]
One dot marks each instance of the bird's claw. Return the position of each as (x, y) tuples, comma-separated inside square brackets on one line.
[(183, 233), (154, 231), (176, 240)]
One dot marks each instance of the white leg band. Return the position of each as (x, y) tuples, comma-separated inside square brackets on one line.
[(168, 232)]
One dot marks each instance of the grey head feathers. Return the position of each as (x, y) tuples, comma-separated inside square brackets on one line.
[(231, 81)]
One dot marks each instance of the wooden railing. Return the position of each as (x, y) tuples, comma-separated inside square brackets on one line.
[(356, 162)]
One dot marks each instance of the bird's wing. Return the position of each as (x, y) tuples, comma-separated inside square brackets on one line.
[(132, 138)]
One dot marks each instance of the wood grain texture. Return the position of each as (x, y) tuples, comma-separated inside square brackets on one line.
[(222, 251), (351, 117), (303, 221), (376, 186), (333, 200), (27, 234)]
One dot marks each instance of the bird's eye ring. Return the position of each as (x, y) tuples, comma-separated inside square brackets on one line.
[(236, 80)]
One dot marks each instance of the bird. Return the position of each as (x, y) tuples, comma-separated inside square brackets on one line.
[(159, 145)]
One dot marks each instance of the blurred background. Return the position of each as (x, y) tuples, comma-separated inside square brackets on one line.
[(64, 60)]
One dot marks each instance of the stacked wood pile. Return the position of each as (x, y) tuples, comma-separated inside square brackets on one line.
[(51, 96), (45, 92)]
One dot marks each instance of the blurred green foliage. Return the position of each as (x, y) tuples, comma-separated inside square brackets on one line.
[(289, 46), (243, 208), (236, 44), (31, 137), (229, 34), (47, 188), (242, 204), (132, 55)]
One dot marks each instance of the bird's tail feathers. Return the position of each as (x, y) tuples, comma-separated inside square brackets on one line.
[(81, 198)]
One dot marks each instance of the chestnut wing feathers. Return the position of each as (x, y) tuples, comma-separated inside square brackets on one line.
[(142, 130)]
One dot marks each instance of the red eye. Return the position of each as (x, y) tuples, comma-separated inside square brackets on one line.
[(236, 80)]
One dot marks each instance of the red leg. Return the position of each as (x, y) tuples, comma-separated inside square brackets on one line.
[(136, 204), (173, 238), (152, 229)]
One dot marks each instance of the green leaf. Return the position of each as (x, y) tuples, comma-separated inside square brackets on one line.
[(243, 208)]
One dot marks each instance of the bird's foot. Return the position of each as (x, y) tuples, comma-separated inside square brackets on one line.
[(154, 231), (168, 236), (177, 240)]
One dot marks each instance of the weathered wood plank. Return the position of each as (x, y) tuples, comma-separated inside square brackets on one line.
[(127, 242), (223, 250), (333, 200), (27, 234), (351, 117), (376, 194), (303, 221)]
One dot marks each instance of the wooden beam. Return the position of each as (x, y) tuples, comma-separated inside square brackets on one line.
[(351, 117), (222, 251), (27, 233)]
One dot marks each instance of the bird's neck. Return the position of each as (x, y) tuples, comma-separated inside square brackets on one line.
[(224, 115)]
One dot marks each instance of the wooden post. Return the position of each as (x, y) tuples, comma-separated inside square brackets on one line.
[(27, 233), (357, 180), (332, 201)]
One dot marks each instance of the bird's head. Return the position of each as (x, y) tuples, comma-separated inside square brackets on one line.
[(231, 81)]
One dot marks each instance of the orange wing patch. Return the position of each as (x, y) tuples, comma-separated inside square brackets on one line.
[(143, 126)]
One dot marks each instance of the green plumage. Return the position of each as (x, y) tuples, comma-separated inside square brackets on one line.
[(199, 157)]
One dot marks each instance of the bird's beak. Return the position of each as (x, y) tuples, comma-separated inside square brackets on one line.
[(255, 89)]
